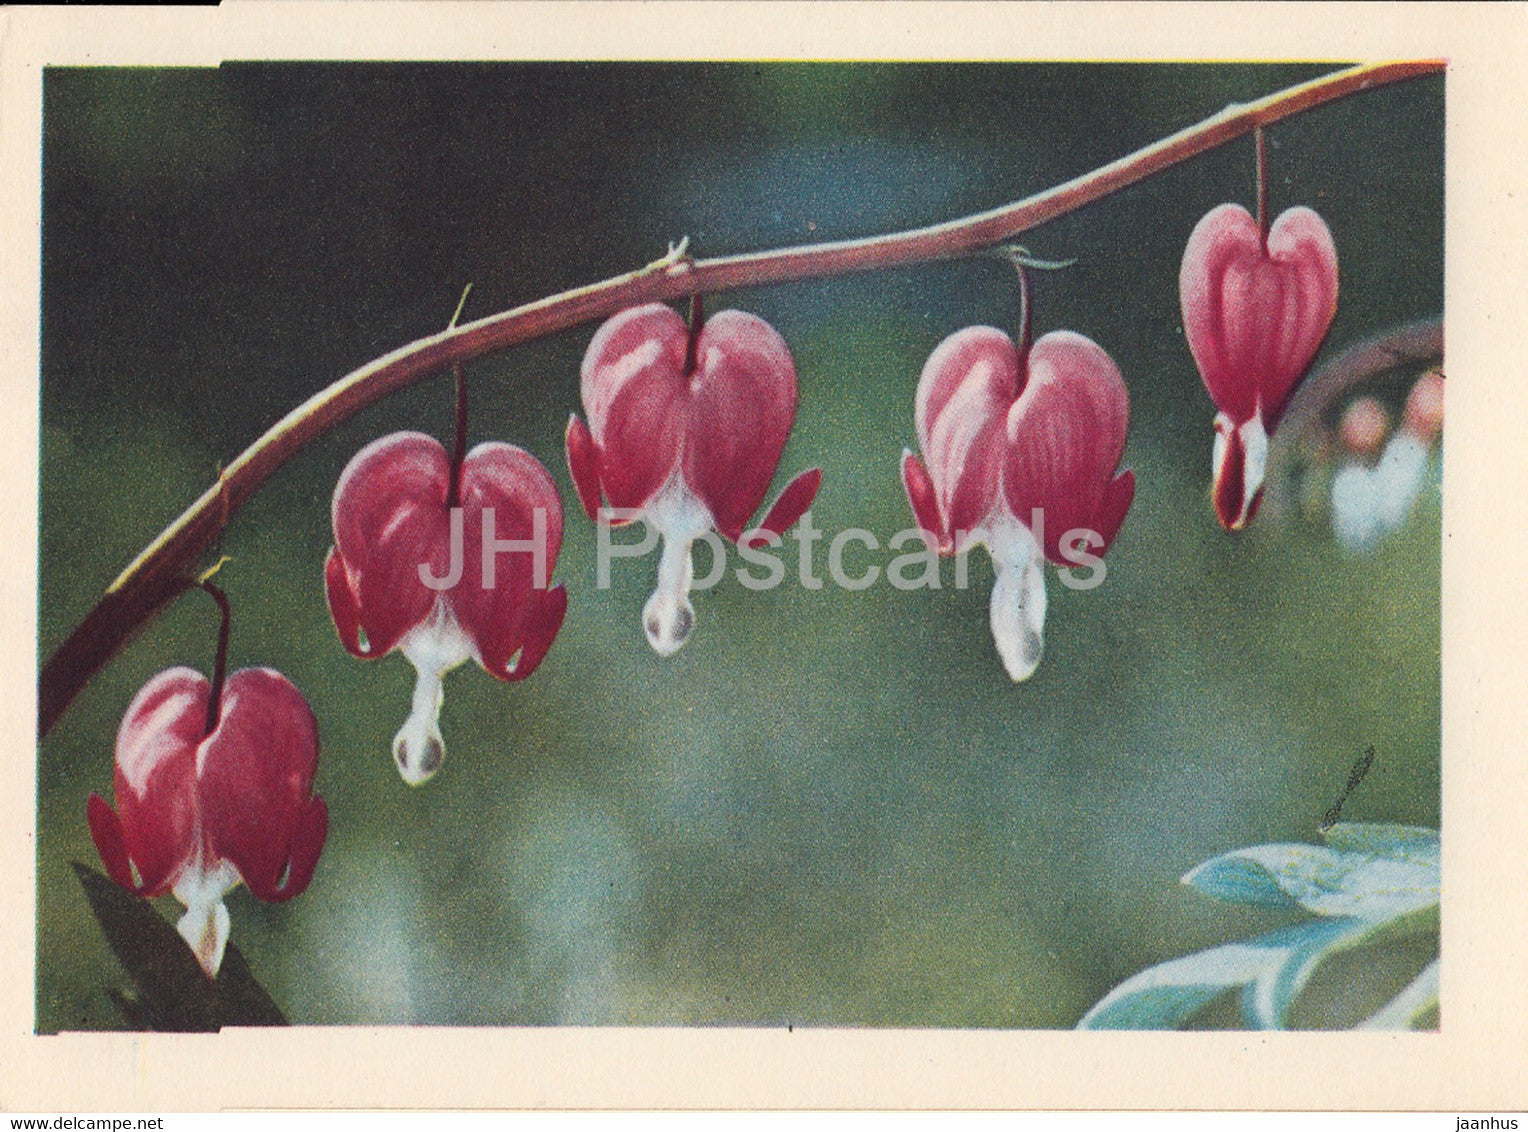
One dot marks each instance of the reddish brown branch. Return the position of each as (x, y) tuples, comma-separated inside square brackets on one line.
[(159, 572)]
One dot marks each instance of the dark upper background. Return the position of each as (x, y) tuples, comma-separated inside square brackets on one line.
[(831, 807)]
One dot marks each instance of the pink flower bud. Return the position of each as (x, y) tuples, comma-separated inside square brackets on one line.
[(1368, 503), (1255, 313), (444, 584), (1364, 426), (1423, 415), (199, 812), (1021, 456), (686, 451)]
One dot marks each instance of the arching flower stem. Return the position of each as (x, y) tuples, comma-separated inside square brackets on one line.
[(155, 576)]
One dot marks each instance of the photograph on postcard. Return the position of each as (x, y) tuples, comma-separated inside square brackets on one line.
[(894, 545)]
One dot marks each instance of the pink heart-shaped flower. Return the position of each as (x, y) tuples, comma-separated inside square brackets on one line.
[(722, 427), (390, 517), (1254, 313), (444, 584), (199, 811), (685, 435), (1022, 451), (1000, 448)]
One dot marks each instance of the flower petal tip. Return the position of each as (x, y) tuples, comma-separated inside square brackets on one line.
[(1119, 495), (583, 465), (205, 929), (667, 622), (791, 504), (543, 623), (106, 832), (418, 752), (919, 486)]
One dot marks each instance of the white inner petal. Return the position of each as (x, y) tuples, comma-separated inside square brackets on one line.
[(1223, 427), (1254, 440), (434, 648), (1369, 503), (1355, 510), (205, 925), (1399, 476), (1018, 598), (679, 516)]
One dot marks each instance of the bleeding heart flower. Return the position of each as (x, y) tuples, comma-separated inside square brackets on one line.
[(1363, 427), (406, 570), (201, 808), (1022, 449), (1255, 311), (1371, 498), (1423, 415), (686, 425)]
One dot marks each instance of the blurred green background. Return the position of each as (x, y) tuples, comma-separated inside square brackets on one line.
[(831, 808)]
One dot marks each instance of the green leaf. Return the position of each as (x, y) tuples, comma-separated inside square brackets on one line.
[(1372, 884), (1267, 999), (1421, 921), (1327, 882), (1161, 1006), (1236, 879), (173, 993), (1166, 996), (1273, 967), (1400, 842)]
